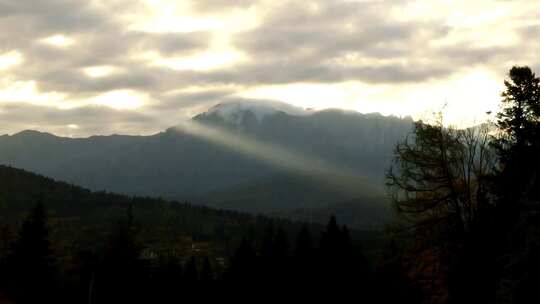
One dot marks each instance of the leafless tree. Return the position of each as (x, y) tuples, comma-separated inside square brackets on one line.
[(440, 176)]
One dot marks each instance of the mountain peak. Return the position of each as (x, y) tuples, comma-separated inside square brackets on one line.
[(32, 133), (234, 111)]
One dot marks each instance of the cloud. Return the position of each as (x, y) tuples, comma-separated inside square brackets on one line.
[(82, 121), (182, 100), (220, 5), (376, 43), (98, 38), (304, 42)]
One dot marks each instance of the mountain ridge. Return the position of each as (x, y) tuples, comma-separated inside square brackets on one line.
[(237, 107), (177, 165)]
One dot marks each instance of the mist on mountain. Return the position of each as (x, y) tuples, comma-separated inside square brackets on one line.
[(178, 165)]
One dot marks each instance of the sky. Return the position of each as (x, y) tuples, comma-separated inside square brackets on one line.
[(86, 67)]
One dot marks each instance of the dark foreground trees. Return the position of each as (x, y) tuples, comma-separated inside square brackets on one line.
[(122, 270), (30, 274), (335, 268), (468, 200), (442, 181), (518, 146)]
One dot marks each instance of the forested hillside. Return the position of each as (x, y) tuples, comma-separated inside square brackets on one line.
[(81, 217), (71, 245)]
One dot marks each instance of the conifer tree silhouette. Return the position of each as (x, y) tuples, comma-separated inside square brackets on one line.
[(32, 265), (518, 143), (121, 272)]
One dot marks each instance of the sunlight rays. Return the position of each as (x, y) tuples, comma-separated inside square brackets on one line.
[(338, 178)]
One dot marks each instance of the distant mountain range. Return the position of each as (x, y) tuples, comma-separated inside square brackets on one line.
[(233, 165)]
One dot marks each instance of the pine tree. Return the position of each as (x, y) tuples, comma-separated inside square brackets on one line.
[(518, 118), (331, 239), (32, 263), (121, 271), (331, 262), (519, 186)]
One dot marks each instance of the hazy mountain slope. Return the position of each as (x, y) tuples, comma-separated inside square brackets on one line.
[(181, 165), (279, 193), (304, 199), (354, 140), (168, 164)]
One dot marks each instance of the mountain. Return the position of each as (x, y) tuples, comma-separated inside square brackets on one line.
[(235, 112), (261, 157), (363, 142), (313, 201), (83, 220)]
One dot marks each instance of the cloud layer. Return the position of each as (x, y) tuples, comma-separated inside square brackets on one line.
[(64, 64)]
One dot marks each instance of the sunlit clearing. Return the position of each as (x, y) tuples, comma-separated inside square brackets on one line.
[(120, 99), (99, 71), (73, 126), (341, 179), (60, 41), (10, 59)]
